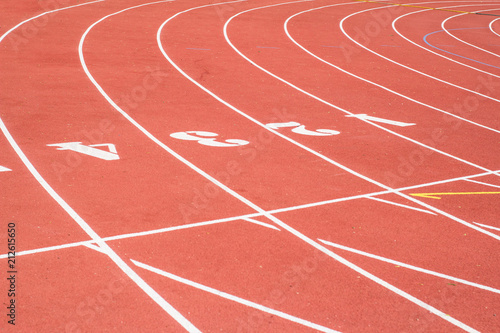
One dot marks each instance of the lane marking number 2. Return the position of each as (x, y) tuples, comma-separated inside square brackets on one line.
[(208, 139), (301, 129)]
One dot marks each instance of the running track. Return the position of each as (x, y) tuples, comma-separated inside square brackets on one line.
[(250, 166)]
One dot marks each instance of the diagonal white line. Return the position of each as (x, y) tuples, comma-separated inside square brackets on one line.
[(267, 225), (51, 248), (415, 268), (482, 183), (487, 226), (401, 205), (235, 298), (240, 217)]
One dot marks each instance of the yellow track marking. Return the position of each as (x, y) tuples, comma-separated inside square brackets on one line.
[(438, 195)]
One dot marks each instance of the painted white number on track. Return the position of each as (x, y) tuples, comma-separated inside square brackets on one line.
[(208, 139), (90, 150), (381, 120), (3, 169), (301, 129)]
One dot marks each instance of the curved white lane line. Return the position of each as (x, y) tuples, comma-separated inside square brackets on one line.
[(341, 24), (327, 159), (297, 233), (491, 27), (335, 106), (45, 13), (434, 52), (470, 225), (462, 41), (371, 82), (252, 205), (84, 225), (74, 215)]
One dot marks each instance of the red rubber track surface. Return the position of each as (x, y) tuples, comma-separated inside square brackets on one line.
[(349, 182)]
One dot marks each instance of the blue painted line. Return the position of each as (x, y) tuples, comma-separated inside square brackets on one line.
[(194, 48), (458, 55)]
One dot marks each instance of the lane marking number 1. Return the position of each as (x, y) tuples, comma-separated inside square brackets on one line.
[(381, 120), (208, 139)]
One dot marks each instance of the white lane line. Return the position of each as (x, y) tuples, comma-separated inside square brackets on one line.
[(74, 215), (267, 225), (415, 268), (240, 217), (50, 248), (401, 205), (491, 27), (249, 203), (482, 183), (43, 14), (284, 225), (462, 41), (133, 235), (235, 298), (373, 194), (332, 105), (434, 52), (488, 226), (368, 81), (470, 225), (157, 298), (4, 169), (342, 22)]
